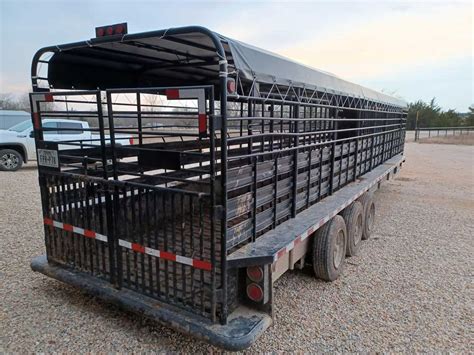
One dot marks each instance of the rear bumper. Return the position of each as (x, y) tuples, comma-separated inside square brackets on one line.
[(244, 326)]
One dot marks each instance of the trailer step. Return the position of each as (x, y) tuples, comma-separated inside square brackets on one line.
[(244, 326), (281, 240)]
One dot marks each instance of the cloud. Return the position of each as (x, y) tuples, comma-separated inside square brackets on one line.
[(392, 43)]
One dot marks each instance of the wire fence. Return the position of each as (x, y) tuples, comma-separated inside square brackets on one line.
[(430, 132)]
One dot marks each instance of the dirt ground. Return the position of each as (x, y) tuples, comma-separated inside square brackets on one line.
[(409, 290)]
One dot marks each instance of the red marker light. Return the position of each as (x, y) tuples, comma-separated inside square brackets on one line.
[(255, 273), (110, 30), (231, 86), (119, 29), (255, 292)]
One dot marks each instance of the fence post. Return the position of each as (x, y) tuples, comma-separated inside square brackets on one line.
[(416, 126)]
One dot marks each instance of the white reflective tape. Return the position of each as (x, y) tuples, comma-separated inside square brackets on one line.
[(101, 237), (184, 260), (290, 246), (125, 244), (152, 252), (58, 224), (78, 230)]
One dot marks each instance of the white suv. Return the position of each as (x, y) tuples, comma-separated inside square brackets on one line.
[(17, 144)]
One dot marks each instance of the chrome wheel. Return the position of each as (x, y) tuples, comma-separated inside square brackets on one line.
[(9, 161), (339, 249)]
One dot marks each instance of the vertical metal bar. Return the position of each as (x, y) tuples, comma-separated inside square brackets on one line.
[(223, 112), (356, 157), (141, 239), (254, 198), (191, 241), (308, 184), (333, 159), (139, 120), (320, 181), (296, 114), (127, 232), (214, 209), (156, 245), (113, 242), (183, 246), (165, 247)]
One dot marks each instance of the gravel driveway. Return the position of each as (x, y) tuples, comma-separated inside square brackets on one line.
[(409, 290)]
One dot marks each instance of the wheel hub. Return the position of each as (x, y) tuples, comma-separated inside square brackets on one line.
[(9, 161)]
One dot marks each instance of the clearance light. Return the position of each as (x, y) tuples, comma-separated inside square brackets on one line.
[(231, 87), (111, 30)]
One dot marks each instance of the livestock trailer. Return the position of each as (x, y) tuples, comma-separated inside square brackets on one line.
[(244, 165)]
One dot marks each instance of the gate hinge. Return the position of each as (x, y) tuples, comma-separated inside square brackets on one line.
[(219, 211)]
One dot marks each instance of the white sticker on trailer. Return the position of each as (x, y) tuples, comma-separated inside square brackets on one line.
[(48, 157)]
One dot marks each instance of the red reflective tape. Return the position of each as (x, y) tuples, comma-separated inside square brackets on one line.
[(48, 221), (202, 123), (167, 256), (281, 253), (204, 265), (36, 120), (310, 231), (298, 240), (67, 227), (89, 234), (48, 97), (172, 94), (138, 248)]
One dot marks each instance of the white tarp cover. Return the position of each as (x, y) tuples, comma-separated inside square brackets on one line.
[(270, 67)]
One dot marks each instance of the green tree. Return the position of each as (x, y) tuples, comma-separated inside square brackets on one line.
[(469, 121), (431, 115), (427, 113)]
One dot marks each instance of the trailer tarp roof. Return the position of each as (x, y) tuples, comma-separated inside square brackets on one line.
[(270, 67), (184, 56)]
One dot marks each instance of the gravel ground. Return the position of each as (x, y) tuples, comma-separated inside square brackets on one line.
[(409, 290)]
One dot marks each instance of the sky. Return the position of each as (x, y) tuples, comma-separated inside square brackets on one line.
[(410, 49)]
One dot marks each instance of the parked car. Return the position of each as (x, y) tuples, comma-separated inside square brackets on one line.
[(17, 144)]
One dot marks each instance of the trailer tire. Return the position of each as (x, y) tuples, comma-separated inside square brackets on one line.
[(10, 160), (368, 204), (329, 249), (354, 217)]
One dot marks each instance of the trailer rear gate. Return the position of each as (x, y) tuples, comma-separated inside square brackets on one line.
[(224, 156)]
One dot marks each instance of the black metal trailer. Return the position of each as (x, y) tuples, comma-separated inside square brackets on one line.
[(244, 165)]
